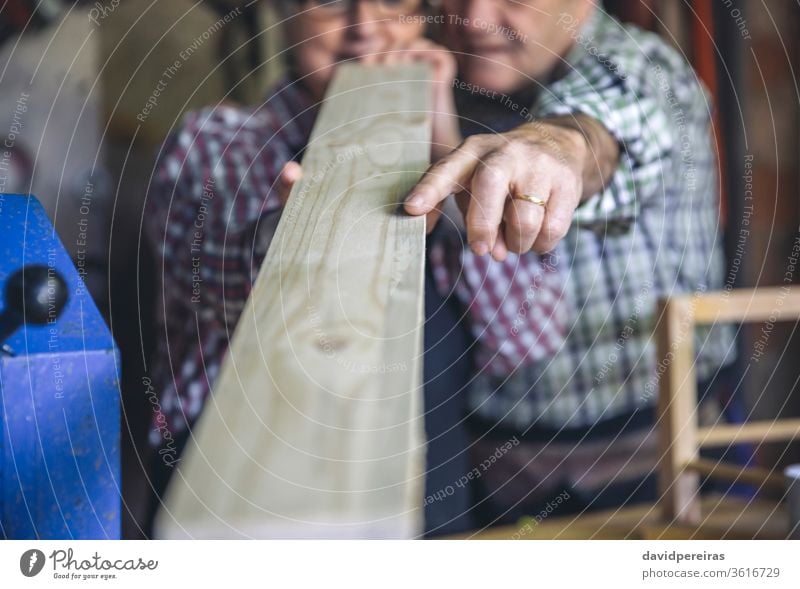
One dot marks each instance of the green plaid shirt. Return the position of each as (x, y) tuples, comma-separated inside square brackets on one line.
[(654, 231)]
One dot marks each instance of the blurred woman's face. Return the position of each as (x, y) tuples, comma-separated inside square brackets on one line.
[(322, 33)]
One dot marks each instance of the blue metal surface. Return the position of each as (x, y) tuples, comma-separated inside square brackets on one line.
[(59, 400)]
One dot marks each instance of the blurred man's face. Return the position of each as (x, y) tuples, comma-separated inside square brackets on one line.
[(503, 44)]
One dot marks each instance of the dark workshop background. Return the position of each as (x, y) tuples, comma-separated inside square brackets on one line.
[(746, 51)]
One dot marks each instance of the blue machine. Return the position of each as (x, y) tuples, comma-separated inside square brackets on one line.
[(59, 389)]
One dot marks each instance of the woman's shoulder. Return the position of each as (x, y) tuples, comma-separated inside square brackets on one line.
[(280, 125), (224, 124), (286, 115)]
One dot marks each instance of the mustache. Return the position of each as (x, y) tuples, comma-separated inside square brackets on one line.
[(484, 33)]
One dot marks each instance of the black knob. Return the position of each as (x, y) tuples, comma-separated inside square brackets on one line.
[(34, 294)]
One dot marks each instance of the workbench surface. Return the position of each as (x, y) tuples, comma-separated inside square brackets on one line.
[(723, 518)]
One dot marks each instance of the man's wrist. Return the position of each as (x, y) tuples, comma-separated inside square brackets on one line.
[(597, 150)]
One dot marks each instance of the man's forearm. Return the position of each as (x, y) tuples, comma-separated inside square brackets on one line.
[(595, 149)]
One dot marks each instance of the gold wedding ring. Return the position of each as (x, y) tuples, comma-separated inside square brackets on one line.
[(530, 198)]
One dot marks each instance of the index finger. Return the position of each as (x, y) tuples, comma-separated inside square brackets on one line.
[(449, 175)]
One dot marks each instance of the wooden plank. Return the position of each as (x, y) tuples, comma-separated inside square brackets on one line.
[(761, 477), (783, 430), (677, 411), (745, 305), (315, 427)]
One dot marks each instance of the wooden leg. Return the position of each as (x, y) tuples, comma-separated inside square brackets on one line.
[(677, 412)]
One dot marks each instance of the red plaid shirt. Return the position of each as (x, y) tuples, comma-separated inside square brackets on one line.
[(213, 183)]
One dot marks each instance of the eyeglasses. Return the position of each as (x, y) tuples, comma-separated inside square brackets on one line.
[(325, 9)]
